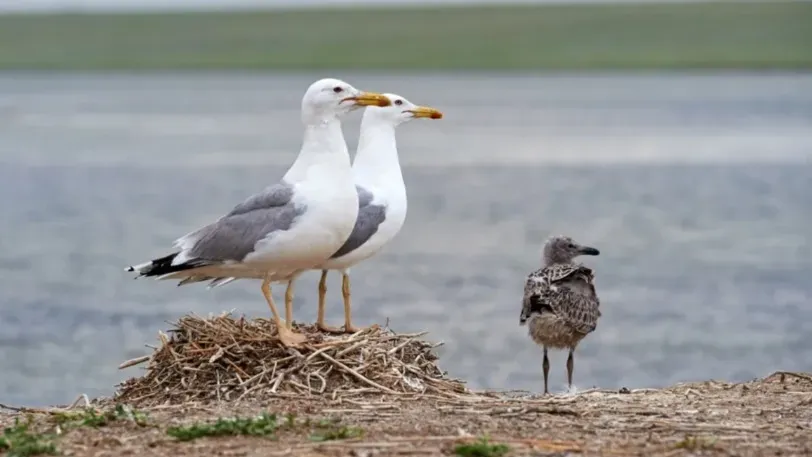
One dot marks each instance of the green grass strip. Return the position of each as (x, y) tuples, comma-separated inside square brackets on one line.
[(723, 35)]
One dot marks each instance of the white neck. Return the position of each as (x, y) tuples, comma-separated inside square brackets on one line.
[(376, 160), (323, 145)]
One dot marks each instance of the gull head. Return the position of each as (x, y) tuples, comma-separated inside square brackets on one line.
[(400, 111), (331, 98), (562, 249)]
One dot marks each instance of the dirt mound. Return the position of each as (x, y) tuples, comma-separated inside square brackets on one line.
[(226, 359)]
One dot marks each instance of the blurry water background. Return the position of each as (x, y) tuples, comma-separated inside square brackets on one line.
[(695, 187)]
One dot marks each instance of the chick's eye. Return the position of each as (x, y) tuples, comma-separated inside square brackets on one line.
[(338, 89), (570, 245), (398, 102)]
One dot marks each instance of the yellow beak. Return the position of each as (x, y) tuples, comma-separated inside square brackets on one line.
[(369, 99), (426, 112)]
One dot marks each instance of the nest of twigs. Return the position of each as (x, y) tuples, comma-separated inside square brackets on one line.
[(226, 359)]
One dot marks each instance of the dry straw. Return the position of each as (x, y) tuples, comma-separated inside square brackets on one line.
[(226, 359)]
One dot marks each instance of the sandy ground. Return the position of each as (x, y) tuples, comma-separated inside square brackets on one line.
[(377, 393), (772, 416)]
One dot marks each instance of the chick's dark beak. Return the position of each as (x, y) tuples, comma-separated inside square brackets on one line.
[(586, 250)]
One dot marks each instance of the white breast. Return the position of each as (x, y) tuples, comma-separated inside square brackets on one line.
[(331, 205)]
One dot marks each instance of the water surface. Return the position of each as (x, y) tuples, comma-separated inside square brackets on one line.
[(694, 187)]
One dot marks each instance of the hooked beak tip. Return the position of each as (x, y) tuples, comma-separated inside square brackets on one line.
[(426, 112)]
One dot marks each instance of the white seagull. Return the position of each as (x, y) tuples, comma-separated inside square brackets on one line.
[(381, 197), (290, 227)]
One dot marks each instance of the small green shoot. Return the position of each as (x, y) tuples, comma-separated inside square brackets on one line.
[(91, 417), (125, 412), (332, 430), (694, 443), (263, 425), (481, 448), (337, 433), (19, 441), (67, 417)]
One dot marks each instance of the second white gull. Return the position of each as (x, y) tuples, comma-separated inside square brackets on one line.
[(382, 198)]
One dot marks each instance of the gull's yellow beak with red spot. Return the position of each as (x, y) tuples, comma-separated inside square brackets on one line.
[(426, 112)]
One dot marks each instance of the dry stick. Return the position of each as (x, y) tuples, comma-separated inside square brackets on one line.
[(252, 378), (78, 399), (792, 373), (247, 391), (358, 375), (217, 373), (321, 378), (277, 381), (238, 370), (25, 409), (353, 347), (217, 355), (318, 352), (134, 361), (403, 344)]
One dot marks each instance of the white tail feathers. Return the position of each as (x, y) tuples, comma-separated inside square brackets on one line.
[(140, 267)]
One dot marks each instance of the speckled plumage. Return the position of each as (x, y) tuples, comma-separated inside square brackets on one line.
[(560, 306)]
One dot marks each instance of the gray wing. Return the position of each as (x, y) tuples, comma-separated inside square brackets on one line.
[(272, 197), (234, 235), (364, 196), (370, 217)]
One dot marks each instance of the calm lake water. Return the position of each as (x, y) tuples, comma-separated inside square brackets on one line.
[(696, 189)]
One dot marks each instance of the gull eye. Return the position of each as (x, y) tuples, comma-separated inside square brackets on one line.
[(398, 102), (338, 89), (571, 246)]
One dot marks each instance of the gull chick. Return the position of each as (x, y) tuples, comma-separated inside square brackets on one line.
[(291, 226), (560, 306)]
